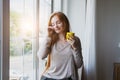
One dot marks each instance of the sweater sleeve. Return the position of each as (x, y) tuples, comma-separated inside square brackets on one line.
[(44, 49), (77, 53)]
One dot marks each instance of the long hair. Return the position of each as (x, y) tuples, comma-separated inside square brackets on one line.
[(66, 25)]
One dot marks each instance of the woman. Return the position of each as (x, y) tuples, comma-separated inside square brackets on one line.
[(64, 55)]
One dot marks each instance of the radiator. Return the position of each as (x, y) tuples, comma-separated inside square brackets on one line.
[(116, 72)]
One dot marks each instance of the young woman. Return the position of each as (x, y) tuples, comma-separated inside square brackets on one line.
[(64, 55)]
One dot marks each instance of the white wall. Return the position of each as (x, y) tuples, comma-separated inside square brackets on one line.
[(107, 37)]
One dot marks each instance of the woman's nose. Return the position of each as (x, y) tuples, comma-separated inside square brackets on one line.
[(56, 25)]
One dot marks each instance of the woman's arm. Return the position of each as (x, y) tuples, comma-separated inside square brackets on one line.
[(45, 48), (77, 52)]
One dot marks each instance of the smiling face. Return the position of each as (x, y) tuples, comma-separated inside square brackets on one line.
[(57, 25)]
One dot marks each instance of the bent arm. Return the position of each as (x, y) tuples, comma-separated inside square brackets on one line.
[(77, 53), (44, 49)]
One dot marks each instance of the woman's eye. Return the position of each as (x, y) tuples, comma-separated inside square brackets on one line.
[(52, 24), (58, 22)]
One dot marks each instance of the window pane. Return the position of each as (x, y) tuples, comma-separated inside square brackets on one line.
[(57, 5), (22, 23), (45, 11)]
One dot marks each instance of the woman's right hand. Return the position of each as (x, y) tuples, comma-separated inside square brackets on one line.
[(50, 30)]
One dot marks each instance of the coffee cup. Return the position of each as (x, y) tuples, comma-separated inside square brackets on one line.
[(69, 34)]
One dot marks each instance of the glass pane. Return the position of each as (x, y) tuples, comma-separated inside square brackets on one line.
[(45, 11), (22, 23), (57, 5)]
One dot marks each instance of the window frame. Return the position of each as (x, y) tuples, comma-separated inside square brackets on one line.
[(5, 40), (0, 40)]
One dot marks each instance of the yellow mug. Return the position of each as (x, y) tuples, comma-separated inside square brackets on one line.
[(69, 34)]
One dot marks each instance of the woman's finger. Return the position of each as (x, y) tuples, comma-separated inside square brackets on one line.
[(50, 27), (71, 41)]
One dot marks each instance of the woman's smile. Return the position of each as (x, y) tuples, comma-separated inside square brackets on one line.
[(57, 24)]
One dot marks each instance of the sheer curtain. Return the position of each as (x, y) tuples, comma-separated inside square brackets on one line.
[(22, 57), (89, 42)]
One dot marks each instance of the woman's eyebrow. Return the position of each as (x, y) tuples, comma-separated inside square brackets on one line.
[(58, 21)]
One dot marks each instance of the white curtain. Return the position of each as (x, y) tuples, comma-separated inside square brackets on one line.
[(89, 42)]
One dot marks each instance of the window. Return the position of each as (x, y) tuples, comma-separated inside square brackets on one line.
[(57, 5), (44, 13), (24, 16), (26, 21), (22, 40)]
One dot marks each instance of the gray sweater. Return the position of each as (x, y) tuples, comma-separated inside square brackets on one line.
[(65, 61)]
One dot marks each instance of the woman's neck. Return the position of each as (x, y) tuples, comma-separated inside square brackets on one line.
[(61, 37)]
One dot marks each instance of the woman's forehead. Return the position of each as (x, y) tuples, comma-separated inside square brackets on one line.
[(55, 18)]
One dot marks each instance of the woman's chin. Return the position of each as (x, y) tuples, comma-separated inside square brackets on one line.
[(57, 32)]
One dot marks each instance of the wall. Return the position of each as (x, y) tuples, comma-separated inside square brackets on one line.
[(103, 51), (107, 37)]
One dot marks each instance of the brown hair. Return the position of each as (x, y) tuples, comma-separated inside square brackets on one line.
[(63, 18)]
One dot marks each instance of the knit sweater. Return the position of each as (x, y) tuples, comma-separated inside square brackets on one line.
[(65, 61)]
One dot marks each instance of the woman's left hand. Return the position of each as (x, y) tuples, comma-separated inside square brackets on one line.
[(71, 40)]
